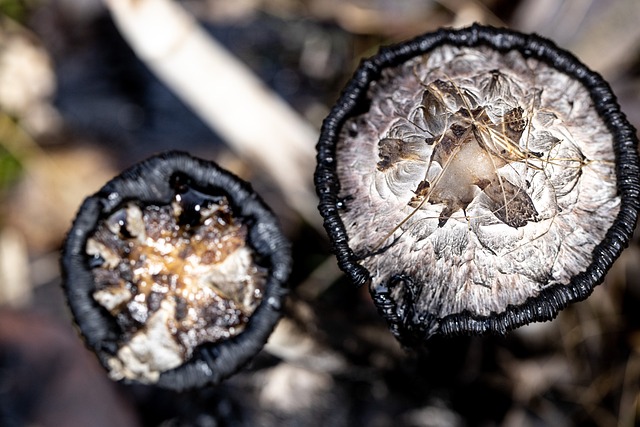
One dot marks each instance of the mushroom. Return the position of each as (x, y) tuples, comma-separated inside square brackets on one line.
[(175, 272), (476, 180)]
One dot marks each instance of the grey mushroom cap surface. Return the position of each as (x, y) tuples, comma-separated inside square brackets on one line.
[(476, 180)]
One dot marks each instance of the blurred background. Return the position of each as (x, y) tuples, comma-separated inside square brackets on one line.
[(77, 106)]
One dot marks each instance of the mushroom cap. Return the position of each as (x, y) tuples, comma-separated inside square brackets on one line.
[(476, 180), (152, 184)]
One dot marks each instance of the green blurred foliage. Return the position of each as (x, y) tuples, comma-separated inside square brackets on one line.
[(15, 9), (10, 168)]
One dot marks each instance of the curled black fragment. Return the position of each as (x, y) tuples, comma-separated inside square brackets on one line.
[(175, 272)]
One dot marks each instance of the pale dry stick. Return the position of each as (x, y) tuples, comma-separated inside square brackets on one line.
[(498, 142), (257, 124), (424, 200), (495, 141)]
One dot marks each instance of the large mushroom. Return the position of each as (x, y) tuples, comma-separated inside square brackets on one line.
[(476, 180)]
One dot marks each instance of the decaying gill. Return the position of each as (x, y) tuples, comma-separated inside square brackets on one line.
[(173, 277)]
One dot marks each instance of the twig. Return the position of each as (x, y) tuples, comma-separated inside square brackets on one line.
[(225, 94)]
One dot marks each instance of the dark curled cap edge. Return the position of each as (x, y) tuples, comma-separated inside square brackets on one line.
[(353, 101), (148, 182)]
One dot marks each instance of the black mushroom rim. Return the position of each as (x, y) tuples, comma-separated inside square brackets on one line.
[(476, 180), (175, 272)]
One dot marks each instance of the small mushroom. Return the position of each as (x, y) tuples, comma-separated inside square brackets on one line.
[(476, 180), (175, 272)]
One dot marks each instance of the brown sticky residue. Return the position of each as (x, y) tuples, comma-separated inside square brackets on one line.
[(172, 285)]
